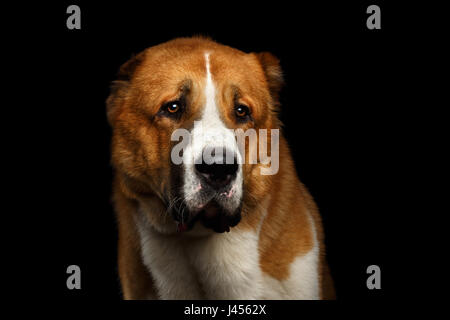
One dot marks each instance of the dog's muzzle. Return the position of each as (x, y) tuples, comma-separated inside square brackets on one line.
[(213, 196)]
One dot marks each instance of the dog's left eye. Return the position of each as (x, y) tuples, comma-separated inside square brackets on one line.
[(242, 112)]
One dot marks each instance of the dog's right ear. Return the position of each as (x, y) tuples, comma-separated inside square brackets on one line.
[(120, 86)]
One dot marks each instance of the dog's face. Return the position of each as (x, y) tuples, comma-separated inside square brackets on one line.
[(173, 112)]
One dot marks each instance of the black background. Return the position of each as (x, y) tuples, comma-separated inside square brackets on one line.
[(340, 108)]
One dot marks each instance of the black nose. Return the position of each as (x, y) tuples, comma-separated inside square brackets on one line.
[(219, 173)]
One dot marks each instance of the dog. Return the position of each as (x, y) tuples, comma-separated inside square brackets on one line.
[(197, 230)]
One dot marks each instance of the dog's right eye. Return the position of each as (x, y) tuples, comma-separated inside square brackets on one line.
[(172, 108)]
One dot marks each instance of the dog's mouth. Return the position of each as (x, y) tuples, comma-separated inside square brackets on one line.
[(212, 216)]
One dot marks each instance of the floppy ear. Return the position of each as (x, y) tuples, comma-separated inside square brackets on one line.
[(272, 71), (120, 86)]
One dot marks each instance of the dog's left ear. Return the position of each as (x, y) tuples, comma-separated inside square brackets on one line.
[(272, 71)]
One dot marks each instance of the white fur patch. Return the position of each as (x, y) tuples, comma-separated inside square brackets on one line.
[(228, 265), (210, 131), (303, 281), (166, 260), (221, 266)]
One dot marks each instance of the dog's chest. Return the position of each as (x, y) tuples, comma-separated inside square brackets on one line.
[(221, 266), (218, 266)]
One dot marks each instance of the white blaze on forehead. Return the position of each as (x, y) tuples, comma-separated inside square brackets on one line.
[(211, 131), (215, 131), (210, 91)]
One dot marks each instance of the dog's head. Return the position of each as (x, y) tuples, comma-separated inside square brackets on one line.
[(174, 112)]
